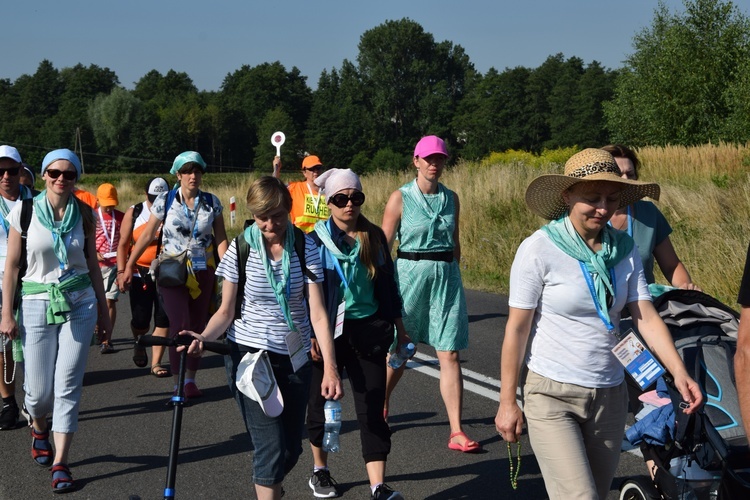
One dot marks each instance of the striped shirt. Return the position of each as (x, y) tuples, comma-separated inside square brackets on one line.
[(262, 324)]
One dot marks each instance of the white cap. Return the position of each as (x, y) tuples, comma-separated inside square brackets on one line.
[(256, 381), (157, 186), (10, 152)]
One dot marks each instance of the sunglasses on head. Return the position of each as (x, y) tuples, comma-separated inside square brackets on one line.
[(341, 200), (68, 175), (316, 168), (10, 171)]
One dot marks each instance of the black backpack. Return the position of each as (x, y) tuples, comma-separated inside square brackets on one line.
[(243, 252)]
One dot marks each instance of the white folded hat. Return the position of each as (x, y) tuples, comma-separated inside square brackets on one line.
[(256, 381)]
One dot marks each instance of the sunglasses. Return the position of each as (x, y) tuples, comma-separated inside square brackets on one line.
[(316, 168), (341, 200), (10, 171), (68, 175)]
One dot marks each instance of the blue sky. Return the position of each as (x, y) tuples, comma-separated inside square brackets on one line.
[(209, 39)]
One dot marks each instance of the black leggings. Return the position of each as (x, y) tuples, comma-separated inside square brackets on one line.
[(367, 380), (145, 299)]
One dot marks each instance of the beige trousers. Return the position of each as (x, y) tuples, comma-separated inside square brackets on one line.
[(576, 434)]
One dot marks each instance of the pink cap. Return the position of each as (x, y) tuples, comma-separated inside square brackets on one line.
[(430, 145)]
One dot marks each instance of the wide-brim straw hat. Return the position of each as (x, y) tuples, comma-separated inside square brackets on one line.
[(544, 196)]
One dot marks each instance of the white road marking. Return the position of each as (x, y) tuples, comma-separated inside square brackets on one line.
[(430, 366)]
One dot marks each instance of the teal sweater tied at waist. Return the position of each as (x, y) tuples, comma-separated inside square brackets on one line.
[(59, 307)]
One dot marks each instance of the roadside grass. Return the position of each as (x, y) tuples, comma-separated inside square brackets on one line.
[(705, 197)]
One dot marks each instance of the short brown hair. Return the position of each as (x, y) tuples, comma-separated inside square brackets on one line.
[(267, 194)]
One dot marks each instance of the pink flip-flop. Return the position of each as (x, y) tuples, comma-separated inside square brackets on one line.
[(469, 446)]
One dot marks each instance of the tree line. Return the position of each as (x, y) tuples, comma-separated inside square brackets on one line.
[(687, 82)]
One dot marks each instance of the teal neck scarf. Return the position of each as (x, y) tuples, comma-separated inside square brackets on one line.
[(324, 233), (254, 238), (45, 215), (616, 245)]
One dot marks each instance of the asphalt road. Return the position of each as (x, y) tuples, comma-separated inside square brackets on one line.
[(121, 448)]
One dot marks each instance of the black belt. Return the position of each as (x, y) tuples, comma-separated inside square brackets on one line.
[(439, 256)]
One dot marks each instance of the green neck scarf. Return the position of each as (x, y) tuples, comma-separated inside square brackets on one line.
[(59, 307), (324, 233), (254, 238), (616, 245), (44, 214)]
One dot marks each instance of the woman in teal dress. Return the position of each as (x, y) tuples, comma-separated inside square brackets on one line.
[(423, 215)]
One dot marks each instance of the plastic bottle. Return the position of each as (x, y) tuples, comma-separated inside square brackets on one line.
[(17, 350), (332, 410), (399, 357)]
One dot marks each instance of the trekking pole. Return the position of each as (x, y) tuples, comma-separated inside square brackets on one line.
[(178, 400)]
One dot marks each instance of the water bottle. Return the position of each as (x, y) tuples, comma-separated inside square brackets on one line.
[(332, 410), (399, 357), (17, 350)]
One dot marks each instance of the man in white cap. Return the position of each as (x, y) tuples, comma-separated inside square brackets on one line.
[(11, 192)]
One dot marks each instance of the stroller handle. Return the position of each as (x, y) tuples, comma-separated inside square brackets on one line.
[(184, 340)]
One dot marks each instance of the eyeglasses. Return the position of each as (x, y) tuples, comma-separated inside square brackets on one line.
[(341, 200), (316, 168), (68, 175), (10, 171)]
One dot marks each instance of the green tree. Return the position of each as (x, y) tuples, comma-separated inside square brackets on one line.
[(251, 92), (492, 115), (113, 119), (340, 125), (674, 88), (412, 84)]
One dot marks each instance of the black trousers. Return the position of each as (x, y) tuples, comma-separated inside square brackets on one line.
[(367, 380)]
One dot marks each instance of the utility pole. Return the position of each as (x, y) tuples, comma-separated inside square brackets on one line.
[(79, 148)]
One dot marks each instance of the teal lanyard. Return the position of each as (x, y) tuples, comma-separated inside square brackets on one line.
[(590, 282)]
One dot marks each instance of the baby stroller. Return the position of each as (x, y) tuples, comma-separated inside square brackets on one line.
[(704, 455)]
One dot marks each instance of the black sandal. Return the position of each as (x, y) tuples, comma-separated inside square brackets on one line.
[(140, 357)]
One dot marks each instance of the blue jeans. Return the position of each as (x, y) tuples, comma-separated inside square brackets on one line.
[(277, 441)]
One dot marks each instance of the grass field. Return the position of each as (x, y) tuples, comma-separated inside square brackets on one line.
[(705, 197)]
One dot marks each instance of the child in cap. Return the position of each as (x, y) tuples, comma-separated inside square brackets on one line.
[(108, 223)]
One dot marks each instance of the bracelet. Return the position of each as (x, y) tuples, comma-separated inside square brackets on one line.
[(121, 271)]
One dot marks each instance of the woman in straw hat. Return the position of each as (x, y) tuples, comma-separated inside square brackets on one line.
[(646, 224), (569, 282)]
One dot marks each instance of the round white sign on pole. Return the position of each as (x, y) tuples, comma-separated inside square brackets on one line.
[(277, 139)]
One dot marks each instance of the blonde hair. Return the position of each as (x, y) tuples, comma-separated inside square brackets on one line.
[(370, 245)]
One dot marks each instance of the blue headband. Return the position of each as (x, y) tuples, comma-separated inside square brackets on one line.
[(62, 154), (187, 157)]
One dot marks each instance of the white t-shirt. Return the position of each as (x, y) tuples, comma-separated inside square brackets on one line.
[(262, 324), (569, 341), (43, 266)]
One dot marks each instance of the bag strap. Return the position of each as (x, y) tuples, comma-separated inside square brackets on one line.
[(167, 205), (26, 212)]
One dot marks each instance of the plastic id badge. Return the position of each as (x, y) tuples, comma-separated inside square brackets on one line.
[(638, 361), (198, 258)]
